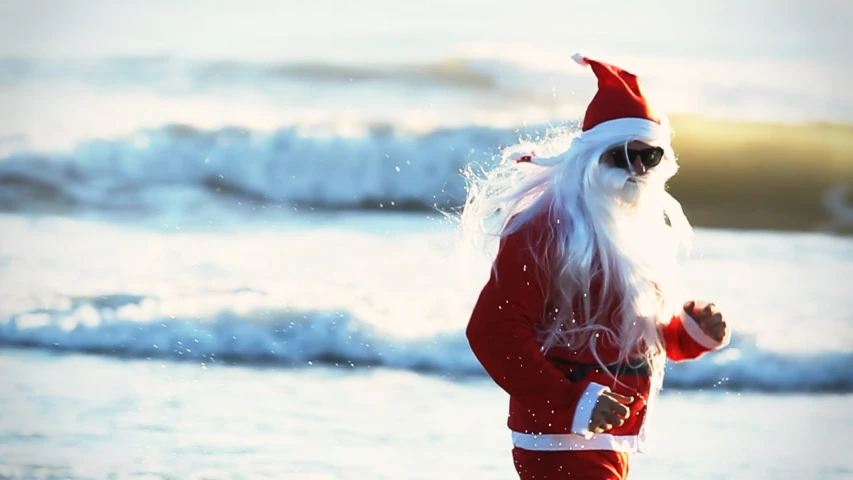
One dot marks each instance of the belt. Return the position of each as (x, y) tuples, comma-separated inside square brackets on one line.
[(579, 371)]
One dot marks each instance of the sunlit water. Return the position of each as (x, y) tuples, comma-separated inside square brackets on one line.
[(331, 346), (85, 417)]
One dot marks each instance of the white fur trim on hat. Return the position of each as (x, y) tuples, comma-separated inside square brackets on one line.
[(641, 128)]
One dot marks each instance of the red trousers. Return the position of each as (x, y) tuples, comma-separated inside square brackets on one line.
[(559, 465)]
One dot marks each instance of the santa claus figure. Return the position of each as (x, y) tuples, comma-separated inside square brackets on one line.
[(582, 308)]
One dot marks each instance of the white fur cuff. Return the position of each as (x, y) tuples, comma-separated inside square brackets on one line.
[(693, 329), (583, 412)]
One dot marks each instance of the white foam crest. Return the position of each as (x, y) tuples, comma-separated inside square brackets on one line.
[(329, 285), (288, 337), (283, 337), (313, 166)]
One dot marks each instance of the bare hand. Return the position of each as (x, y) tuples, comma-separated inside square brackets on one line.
[(709, 319), (610, 411)]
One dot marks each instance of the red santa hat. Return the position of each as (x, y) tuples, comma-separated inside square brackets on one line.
[(620, 107), (618, 110)]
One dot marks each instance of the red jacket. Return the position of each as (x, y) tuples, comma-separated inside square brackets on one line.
[(547, 410)]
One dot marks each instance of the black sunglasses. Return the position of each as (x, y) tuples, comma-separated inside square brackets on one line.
[(650, 157)]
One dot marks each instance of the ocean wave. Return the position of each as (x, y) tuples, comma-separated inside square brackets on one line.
[(302, 338), (75, 100), (381, 167), (172, 74), (281, 337), (452, 72)]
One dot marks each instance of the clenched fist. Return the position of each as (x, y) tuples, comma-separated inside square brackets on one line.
[(710, 320), (611, 410)]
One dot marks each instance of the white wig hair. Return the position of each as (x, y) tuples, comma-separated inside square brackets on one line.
[(623, 231)]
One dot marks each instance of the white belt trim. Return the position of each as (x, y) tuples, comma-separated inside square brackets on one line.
[(567, 441)]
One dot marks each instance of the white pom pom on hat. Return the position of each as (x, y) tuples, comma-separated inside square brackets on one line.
[(581, 59)]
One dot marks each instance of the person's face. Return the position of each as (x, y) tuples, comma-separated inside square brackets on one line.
[(640, 151)]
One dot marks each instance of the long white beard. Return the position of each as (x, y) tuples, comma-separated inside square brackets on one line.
[(621, 186), (630, 191), (631, 221), (645, 250), (624, 226)]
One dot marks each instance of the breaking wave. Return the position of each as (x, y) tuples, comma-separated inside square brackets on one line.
[(293, 338), (380, 168)]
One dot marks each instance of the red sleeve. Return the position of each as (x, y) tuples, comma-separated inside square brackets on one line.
[(501, 331), (685, 340)]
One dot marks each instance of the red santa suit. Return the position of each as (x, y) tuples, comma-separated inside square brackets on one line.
[(552, 394), (550, 404)]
